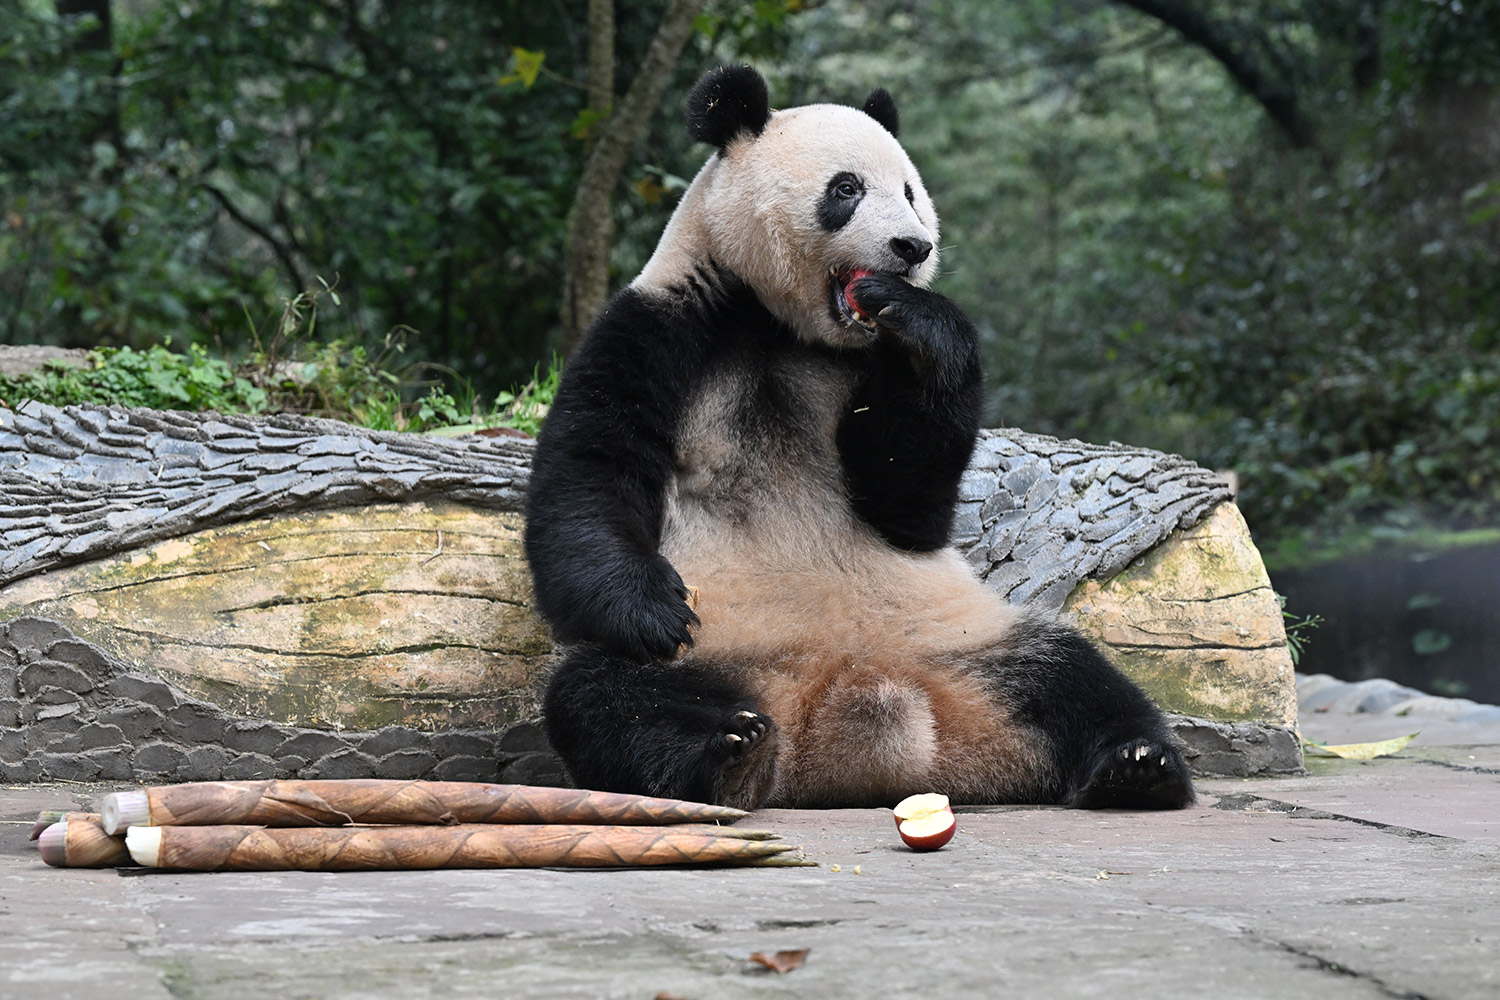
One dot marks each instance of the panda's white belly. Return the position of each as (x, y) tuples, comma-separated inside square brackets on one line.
[(758, 522)]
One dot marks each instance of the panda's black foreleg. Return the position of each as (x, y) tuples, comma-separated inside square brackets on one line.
[(1112, 745), (668, 729)]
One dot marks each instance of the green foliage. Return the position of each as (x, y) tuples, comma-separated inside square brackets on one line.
[(1298, 630), (526, 407), (522, 408), (332, 380), (157, 377), (235, 149), (218, 155), (1151, 261)]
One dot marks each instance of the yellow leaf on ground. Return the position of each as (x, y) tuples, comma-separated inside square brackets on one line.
[(1363, 751)]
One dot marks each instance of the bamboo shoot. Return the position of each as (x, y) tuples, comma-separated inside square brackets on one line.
[(75, 843), (47, 817), (393, 848), (364, 801)]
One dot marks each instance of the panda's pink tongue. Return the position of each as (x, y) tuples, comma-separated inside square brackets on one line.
[(849, 281)]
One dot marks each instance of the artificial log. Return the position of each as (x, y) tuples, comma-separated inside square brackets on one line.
[(373, 801), (400, 848), (357, 589), (81, 843)]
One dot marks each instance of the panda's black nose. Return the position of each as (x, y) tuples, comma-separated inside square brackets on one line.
[(911, 251)]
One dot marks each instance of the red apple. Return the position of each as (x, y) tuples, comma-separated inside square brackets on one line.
[(854, 276), (925, 822)]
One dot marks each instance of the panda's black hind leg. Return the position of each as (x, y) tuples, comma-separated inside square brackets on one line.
[(1111, 745), (669, 729)]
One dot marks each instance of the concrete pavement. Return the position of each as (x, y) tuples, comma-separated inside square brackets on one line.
[(1373, 879)]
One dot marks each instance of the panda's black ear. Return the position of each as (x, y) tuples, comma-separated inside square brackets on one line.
[(726, 102), (881, 106)]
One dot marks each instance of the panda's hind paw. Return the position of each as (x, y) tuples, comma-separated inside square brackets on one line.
[(739, 733), (744, 753), (1136, 774)]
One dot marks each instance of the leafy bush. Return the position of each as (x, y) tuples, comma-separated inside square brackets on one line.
[(1152, 260), (327, 380), (157, 377)]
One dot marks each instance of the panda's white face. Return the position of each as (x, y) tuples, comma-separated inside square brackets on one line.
[(822, 195)]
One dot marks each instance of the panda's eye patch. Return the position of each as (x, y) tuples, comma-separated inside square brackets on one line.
[(911, 199), (840, 198)]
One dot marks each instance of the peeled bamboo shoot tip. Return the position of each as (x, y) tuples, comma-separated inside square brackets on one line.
[(53, 844), (123, 810), (144, 845)]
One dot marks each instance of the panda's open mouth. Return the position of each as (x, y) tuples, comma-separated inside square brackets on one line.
[(841, 300)]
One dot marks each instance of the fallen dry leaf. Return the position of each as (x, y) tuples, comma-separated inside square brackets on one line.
[(782, 961), (1364, 751)]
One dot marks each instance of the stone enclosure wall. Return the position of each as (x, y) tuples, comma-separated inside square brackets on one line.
[(71, 712)]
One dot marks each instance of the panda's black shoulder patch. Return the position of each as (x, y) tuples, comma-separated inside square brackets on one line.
[(726, 102), (881, 106)]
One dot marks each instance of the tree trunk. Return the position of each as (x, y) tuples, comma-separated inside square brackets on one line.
[(590, 229), (601, 80), (1248, 56)]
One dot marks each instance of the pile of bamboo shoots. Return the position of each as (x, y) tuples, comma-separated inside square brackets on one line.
[(373, 824)]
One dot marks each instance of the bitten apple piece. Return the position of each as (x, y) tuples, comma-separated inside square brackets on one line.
[(925, 822)]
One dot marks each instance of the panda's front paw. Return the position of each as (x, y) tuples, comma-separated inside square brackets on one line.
[(891, 302), (665, 622), (931, 330), (645, 612)]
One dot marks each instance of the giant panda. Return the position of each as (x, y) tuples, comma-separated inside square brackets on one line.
[(739, 509)]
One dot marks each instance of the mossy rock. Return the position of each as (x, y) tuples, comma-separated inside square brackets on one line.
[(1195, 622)]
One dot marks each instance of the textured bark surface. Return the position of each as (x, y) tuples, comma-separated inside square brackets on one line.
[(1038, 515), (294, 576), (411, 848), (367, 802), (84, 482), (22, 360)]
